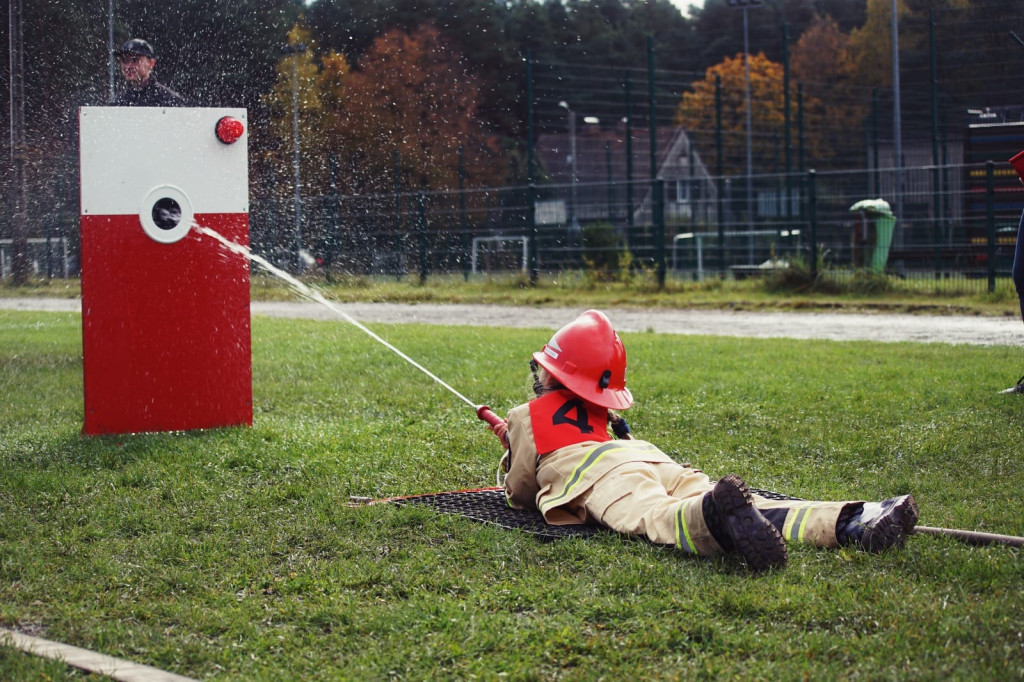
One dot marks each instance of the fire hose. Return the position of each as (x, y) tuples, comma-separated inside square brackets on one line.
[(972, 537)]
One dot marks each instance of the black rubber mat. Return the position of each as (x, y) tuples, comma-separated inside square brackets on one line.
[(488, 506)]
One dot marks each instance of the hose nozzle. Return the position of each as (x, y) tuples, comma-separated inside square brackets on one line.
[(486, 414)]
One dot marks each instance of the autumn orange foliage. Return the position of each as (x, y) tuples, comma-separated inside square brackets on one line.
[(696, 111), (413, 94), (409, 93)]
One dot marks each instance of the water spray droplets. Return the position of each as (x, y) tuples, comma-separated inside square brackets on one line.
[(316, 296)]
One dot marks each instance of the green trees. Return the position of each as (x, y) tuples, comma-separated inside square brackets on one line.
[(318, 82), (494, 38)]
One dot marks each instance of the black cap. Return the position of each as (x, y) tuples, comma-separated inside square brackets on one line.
[(136, 46)]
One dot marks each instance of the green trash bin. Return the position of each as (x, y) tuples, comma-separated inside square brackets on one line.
[(885, 224)]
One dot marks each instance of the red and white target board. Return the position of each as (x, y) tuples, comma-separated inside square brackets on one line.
[(165, 309)]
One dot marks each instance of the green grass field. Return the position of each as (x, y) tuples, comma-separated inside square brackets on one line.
[(232, 554), (836, 291)]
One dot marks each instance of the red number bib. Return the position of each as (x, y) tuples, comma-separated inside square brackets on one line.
[(560, 418)]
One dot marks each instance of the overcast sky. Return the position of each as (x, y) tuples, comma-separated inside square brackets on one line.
[(684, 5)]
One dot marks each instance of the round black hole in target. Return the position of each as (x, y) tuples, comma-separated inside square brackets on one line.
[(166, 213)]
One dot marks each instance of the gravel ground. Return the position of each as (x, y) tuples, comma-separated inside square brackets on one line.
[(987, 331)]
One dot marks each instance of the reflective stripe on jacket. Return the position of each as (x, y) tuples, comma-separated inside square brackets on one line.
[(560, 477)]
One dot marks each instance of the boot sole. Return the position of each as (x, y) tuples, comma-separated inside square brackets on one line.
[(755, 538), (892, 529)]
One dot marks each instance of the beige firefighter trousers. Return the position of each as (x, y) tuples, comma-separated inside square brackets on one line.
[(662, 501)]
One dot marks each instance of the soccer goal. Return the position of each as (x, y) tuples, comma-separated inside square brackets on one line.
[(499, 254), (47, 256)]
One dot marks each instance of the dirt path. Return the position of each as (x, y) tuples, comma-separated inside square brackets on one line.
[(986, 331)]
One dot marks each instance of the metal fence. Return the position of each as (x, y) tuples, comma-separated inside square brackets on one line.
[(953, 222)]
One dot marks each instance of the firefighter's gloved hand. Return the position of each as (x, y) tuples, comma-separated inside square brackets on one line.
[(619, 426)]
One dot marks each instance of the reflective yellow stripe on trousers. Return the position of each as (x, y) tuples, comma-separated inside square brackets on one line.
[(683, 531), (796, 522)]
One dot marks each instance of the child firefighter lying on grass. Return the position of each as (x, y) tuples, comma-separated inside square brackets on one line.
[(562, 461)]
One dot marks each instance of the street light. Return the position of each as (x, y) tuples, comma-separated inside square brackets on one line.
[(16, 180), (295, 51), (897, 126), (744, 5), (574, 225), (110, 47)]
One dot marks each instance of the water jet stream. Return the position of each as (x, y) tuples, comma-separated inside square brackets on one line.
[(316, 296)]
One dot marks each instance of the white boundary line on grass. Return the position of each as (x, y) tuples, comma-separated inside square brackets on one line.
[(90, 661)]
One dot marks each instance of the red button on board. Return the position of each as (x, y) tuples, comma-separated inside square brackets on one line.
[(229, 129)]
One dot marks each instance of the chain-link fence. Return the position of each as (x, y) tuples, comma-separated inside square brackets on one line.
[(954, 223)]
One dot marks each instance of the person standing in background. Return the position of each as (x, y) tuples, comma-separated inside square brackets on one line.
[(137, 60), (1018, 283)]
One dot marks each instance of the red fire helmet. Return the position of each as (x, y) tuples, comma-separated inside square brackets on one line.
[(588, 358)]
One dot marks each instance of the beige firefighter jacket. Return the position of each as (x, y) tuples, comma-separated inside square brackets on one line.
[(553, 482)]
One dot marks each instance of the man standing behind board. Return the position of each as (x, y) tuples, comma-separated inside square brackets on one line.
[(137, 59), (1018, 283)]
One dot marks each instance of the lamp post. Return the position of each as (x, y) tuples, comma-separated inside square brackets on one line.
[(295, 51), (110, 48), (897, 126), (20, 261), (574, 225), (593, 121), (744, 5), (750, 159)]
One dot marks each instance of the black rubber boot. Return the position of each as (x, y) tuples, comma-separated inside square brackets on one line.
[(878, 526), (751, 534)]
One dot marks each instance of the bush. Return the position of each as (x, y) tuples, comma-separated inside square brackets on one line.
[(602, 249)]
